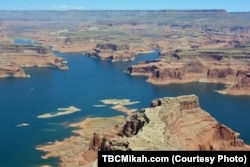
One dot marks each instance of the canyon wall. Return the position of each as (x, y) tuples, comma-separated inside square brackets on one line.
[(228, 66), (14, 57), (171, 123), (112, 52), (181, 125)]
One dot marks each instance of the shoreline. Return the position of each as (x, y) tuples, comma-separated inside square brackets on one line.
[(78, 31), (80, 150), (225, 91), (74, 149)]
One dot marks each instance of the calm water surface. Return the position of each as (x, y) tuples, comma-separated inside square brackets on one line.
[(86, 83)]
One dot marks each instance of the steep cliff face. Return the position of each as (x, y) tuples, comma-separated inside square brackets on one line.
[(95, 142), (114, 47), (207, 133), (111, 52), (220, 73), (243, 83), (171, 123), (169, 73), (24, 49), (181, 125), (14, 57), (11, 70), (141, 69), (164, 72), (229, 66), (134, 124)]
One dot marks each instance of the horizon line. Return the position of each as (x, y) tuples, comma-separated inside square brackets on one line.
[(61, 10)]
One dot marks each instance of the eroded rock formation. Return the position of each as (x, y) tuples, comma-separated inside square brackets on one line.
[(181, 125), (11, 70), (24, 49), (171, 123), (228, 66), (95, 142), (14, 57), (134, 124), (112, 52)]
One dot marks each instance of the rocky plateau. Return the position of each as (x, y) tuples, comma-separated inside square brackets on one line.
[(180, 122), (230, 66), (14, 57), (195, 45)]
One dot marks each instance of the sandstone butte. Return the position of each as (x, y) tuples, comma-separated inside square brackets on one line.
[(14, 57), (181, 125)]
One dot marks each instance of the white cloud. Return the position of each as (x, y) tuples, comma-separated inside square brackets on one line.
[(68, 7)]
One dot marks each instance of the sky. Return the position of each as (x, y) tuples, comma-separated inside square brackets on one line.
[(229, 5)]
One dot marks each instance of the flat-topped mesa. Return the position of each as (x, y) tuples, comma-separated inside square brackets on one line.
[(177, 123), (12, 49), (112, 52), (180, 104), (172, 123), (182, 115), (14, 57), (185, 102), (228, 65)]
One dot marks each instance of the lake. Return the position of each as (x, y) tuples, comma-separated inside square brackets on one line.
[(86, 83)]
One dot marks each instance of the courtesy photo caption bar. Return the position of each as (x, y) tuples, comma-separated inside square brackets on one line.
[(173, 158)]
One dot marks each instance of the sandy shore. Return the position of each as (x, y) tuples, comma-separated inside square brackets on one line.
[(73, 151)]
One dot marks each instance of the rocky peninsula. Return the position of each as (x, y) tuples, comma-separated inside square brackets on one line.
[(14, 57), (228, 65), (174, 118), (195, 45)]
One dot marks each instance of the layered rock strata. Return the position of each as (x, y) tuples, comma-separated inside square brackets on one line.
[(112, 52), (231, 67), (181, 125), (11, 70), (14, 57), (171, 123)]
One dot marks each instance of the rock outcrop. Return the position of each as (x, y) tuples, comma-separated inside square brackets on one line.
[(24, 49), (134, 124), (241, 86), (120, 144), (229, 66), (14, 57), (112, 52), (171, 123), (243, 83), (219, 73), (11, 70), (181, 125), (95, 142), (110, 46)]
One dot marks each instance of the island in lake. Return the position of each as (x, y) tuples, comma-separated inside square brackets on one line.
[(196, 45)]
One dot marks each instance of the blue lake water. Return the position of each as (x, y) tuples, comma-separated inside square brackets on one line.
[(86, 83)]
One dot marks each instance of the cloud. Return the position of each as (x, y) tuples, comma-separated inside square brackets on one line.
[(68, 7)]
